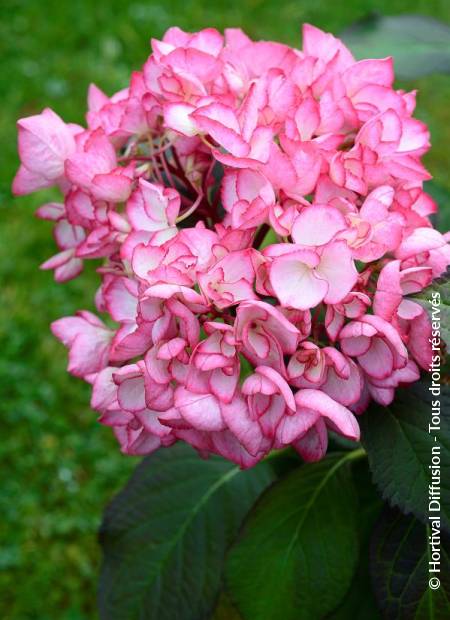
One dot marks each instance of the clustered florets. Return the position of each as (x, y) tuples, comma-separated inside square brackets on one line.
[(261, 217)]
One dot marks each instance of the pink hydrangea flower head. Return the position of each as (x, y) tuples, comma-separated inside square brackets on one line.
[(262, 228)]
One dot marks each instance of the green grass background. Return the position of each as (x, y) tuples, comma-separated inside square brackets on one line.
[(58, 466)]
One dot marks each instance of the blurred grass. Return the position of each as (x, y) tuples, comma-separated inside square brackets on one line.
[(59, 466)]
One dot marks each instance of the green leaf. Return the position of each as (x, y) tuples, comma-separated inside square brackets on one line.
[(359, 602), (439, 312), (400, 555), (296, 554), (269, 239), (399, 446), (164, 537), (420, 45)]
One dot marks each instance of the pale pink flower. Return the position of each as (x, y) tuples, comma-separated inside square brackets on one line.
[(66, 263), (230, 280), (268, 397), (383, 390), (374, 230), (262, 227), (265, 333), (247, 196), (93, 167), (123, 115), (376, 345), (302, 278), (237, 132), (88, 340), (44, 142), (119, 396), (353, 306), (314, 407), (409, 317), (153, 208)]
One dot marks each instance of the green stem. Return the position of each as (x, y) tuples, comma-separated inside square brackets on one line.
[(359, 453)]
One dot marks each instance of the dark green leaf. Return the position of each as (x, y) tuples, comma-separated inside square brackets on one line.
[(225, 609), (337, 443), (164, 537), (284, 461), (359, 602), (420, 45), (399, 446), (296, 554), (399, 565)]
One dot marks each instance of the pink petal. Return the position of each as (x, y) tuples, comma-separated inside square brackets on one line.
[(338, 269), (294, 282), (26, 182), (378, 361), (293, 426), (200, 410), (246, 430), (317, 225), (131, 394), (177, 117), (340, 418), (312, 446)]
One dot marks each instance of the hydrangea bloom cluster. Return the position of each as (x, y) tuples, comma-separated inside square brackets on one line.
[(260, 215)]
